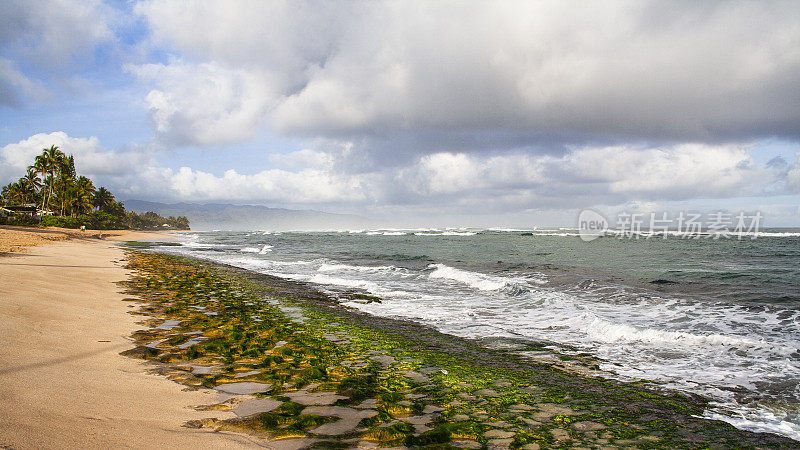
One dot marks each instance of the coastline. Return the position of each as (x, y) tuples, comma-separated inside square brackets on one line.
[(63, 383), (318, 362)]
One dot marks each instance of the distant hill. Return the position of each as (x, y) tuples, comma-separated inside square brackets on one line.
[(212, 216)]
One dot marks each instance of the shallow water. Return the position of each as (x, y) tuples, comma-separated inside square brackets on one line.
[(717, 317)]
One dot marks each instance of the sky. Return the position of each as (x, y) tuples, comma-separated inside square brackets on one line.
[(461, 113)]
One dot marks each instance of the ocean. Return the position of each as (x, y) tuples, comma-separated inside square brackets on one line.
[(717, 317)]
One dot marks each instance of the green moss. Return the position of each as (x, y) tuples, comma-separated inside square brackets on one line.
[(224, 304), (394, 433)]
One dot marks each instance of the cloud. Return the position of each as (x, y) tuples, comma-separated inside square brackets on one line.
[(274, 186), (584, 177), (443, 181), (43, 40), (566, 73), (91, 158), (681, 171), (134, 172), (51, 33), (793, 176), (16, 87), (203, 104), (449, 173), (304, 158)]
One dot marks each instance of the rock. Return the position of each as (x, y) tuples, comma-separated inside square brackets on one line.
[(314, 398), (522, 407), (243, 388), (255, 406), (247, 374), (499, 443), (548, 410), (460, 417), (499, 434), (465, 444), (416, 376), (384, 360), (487, 393), (588, 426), (530, 422), (531, 446), (560, 434), (432, 409), (498, 424), (370, 403), (348, 418)]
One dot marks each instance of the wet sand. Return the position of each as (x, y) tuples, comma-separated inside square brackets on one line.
[(63, 383)]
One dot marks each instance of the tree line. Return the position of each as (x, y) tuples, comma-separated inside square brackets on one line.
[(64, 198)]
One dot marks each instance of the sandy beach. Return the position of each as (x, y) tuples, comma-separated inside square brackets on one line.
[(323, 375), (63, 383)]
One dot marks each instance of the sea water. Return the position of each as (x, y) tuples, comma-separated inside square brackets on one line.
[(718, 317)]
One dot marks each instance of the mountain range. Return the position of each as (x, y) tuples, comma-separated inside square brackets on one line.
[(216, 216)]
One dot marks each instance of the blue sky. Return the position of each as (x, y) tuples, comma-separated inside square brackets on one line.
[(458, 113)]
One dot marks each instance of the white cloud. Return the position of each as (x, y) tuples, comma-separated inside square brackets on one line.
[(308, 186), (91, 158), (15, 86), (686, 170), (42, 40), (441, 183), (304, 158), (203, 104), (449, 173), (587, 176), (646, 70), (793, 177)]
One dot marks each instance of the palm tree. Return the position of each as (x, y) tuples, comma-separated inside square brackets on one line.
[(48, 163), (84, 195), (17, 192), (32, 182), (40, 166), (103, 198), (62, 187), (4, 194)]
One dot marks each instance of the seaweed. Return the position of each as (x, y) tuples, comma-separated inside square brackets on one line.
[(405, 384)]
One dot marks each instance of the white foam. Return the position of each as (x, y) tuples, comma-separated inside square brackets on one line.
[(370, 286), (473, 279), (758, 419), (264, 249), (343, 268), (601, 330), (715, 349)]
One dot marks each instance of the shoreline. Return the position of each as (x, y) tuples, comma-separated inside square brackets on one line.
[(17, 240), (536, 404), (63, 383)]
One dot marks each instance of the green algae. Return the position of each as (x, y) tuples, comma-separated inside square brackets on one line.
[(463, 391)]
